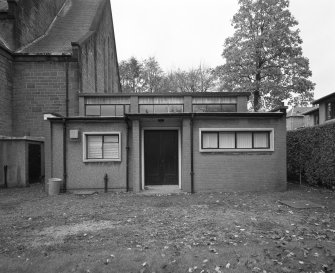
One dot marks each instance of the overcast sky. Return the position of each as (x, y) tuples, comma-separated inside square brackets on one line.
[(184, 33)]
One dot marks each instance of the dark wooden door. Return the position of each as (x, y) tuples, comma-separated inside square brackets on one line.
[(161, 157), (34, 163)]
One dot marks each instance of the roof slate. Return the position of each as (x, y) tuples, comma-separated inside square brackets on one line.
[(70, 25), (314, 109), (324, 98), (298, 111)]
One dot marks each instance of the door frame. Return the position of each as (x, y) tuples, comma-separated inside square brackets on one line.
[(41, 144), (142, 151)]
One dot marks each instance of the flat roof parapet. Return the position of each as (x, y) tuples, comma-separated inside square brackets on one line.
[(171, 94), (173, 115)]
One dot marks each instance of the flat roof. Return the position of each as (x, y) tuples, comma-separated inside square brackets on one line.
[(174, 115)]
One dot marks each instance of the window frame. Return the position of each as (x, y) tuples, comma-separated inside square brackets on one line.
[(236, 130), (330, 110), (207, 105), (124, 106), (169, 106), (102, 134)]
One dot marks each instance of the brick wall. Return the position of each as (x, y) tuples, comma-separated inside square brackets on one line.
[(6, 86), (98, 57), (294, 122), (241, 171), (40, 87), (87, 175)]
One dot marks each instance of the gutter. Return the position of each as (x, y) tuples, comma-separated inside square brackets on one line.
[(64, 127), (127, 156)]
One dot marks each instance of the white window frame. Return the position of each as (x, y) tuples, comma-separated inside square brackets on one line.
[(270, 130), (85, 134)]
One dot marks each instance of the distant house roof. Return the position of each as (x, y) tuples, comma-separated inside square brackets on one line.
[(71, 24), (323, 98), (3, 5), (298, 111), (314, 109)]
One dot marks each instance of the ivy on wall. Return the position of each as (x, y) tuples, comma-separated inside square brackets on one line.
[(311, 155)]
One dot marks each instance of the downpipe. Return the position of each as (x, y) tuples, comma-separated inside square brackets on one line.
[(192, 154)]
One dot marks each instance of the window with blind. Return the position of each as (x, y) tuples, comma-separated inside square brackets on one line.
[(102, 147), (330, 110), (234, 140)]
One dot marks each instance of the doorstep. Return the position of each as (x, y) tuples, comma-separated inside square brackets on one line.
[(161, 190)]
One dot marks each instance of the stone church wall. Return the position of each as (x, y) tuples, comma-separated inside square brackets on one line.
[(39, 88), (98, 56)]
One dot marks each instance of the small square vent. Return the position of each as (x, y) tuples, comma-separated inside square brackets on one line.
[(74, 134)]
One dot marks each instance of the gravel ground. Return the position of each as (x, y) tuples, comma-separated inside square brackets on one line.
[(204, 232)]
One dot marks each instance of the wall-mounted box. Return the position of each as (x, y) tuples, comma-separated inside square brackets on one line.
[(74, 134)]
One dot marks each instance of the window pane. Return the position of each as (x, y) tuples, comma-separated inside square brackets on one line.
[(119, 110), (328, 109), (244, 140), (161, 109), (199, 108), (214, 108), (175, 108), (111, 150), (228, 107), (209, 140), (111, 138), (92, 110), (94, 146), (227, 140), (127, 108), (108, 110), (261, 140), (146, 109)]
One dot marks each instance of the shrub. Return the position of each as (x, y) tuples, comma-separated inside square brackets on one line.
[(311, 154)]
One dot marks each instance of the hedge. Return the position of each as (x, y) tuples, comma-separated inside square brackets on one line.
[(311, 155)]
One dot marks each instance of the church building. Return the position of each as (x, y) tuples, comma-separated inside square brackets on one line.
[(63, 114)]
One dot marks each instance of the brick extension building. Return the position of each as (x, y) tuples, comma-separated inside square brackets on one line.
[(194, 141), (97, 137), (50, 51)]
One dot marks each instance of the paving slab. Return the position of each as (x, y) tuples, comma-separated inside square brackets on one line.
[(301, 204), (161, 190)]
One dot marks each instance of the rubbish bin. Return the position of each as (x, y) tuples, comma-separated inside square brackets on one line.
[(54, 186)]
